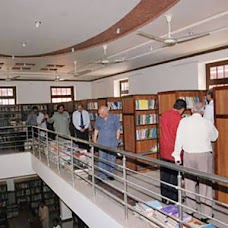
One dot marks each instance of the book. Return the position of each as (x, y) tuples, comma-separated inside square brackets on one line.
[(195, 223), (175, 223)]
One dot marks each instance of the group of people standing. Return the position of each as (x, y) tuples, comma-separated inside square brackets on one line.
[(106, 131), (189, 141)]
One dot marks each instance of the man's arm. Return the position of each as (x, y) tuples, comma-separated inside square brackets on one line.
[(214, 133), (95, 135), (178, 144), (118, 134), (50, 120)]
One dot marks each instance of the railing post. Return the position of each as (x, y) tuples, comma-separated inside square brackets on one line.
[(39, 143), (72, 160), (125, 188), (33, 144), (47, 142), (58, 159), (93, 171), (180, 209), (27, 134)]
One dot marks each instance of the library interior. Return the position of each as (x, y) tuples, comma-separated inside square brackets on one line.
[(114, 114)]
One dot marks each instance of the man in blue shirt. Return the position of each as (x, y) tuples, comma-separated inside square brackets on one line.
[(107, 133)]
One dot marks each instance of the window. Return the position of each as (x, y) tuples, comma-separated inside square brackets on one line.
[(62, 94), (7, 95), (124, 87), (217, 74)]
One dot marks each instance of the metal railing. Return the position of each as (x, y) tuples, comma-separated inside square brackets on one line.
[(62, 153)]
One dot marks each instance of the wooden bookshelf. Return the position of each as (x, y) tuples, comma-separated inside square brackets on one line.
[(221, 145), (31, 191), (140, 127), (92, 108), (167, 99)]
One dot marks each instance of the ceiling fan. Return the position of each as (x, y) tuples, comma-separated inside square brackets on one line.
[(8, 78), (170, 40), (58, 79), (77, 73), (106, 61)]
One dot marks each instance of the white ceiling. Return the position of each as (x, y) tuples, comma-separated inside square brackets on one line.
[(64, 25)]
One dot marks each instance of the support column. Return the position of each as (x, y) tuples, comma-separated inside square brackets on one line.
[(65, 215)]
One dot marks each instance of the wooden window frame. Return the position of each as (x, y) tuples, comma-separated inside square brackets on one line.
[(10, 97), (220, 81), (122, 94), (62, 96)]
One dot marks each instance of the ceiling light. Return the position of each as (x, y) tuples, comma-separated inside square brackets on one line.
[(37, 23), (23, 44), (13, 57), (72, 50), (118, 30)]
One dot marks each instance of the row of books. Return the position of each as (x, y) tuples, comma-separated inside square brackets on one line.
[(92, 105), (22, 185), (14, 108), (120, 117), (168, 215), (190, 101), (35, 190), (114, 105), (3, 188), (146, 119), (23, 193), (37, 197), (150, 133), (41, 107), (145, 104)]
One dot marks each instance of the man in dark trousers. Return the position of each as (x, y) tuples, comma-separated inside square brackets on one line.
[(169, 124), (81, 122)]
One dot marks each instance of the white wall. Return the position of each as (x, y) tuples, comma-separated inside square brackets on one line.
[(15, 165), (29, 92), (184, 74)]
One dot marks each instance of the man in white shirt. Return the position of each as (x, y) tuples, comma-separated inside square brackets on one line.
[(209, 109), (194, 137), (81, 122)]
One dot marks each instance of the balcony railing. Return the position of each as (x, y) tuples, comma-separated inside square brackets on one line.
[(63, 154)]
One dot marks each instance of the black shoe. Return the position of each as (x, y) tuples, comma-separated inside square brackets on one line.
[(204, 220), (111, 178)]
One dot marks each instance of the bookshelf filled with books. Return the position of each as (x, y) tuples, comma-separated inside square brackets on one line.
[(26, 109), (3, 199), (10, 115), (92, 108), (221, 145), (31, 191), (167, 99), (140, 127)]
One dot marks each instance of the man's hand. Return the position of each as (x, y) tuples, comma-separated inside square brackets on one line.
[(82, 130), (177, 161), (46, 116)]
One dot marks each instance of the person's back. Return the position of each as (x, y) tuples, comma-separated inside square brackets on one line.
[(197, 133), (169, 123)]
